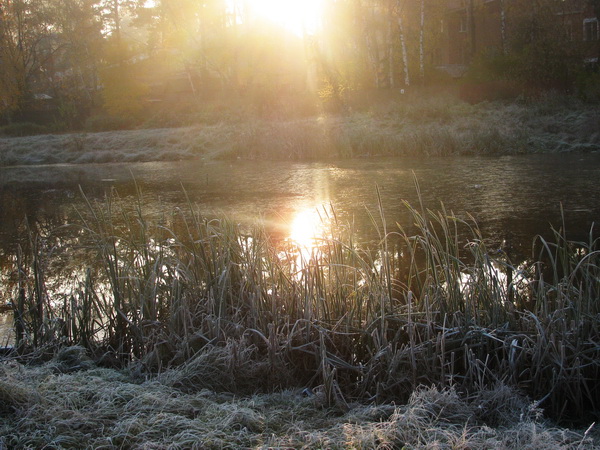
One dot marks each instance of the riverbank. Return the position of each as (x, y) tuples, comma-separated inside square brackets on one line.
[(410, 126), (69, 402)]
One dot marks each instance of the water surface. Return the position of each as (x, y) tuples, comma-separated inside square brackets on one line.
[(513, 199), (510, 197)]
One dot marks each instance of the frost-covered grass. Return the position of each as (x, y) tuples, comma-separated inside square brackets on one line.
[(408, 125), (113, 146), (68, 402), (235, 309)]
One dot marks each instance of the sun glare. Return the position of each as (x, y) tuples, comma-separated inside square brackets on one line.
[(297, 16), (306, 227)]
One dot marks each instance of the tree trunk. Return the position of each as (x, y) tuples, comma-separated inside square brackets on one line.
[(503, 26), (471, 28), (373, 53), (390, 42), (596, 7), (116, 13), (404, 53), (421, 42), (117, 18)]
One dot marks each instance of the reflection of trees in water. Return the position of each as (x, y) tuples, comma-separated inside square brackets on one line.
[(38, 213), (36, 226), (511, 201)]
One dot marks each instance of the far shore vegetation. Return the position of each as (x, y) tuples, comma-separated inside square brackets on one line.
[(115, 81), (420, 122)]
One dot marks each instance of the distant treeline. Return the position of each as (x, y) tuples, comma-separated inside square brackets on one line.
[(112, 63)]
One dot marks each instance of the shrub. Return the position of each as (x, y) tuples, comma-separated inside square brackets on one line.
[(123, 94), (22, 129), (489, 91), (588, 86), (105, 122)]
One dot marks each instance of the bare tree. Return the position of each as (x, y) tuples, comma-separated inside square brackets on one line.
[(49, 47), (403, 44), (503, 26), (471, 27), (390, 43), (421, 42)]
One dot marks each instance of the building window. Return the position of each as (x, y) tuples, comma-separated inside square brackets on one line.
[(590, 29), (463, 24), (463, 55), (436, 56), (569, 30)]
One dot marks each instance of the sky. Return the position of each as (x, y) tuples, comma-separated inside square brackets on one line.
[(297, 16)]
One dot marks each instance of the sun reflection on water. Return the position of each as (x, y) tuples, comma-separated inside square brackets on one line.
[(307, 228)]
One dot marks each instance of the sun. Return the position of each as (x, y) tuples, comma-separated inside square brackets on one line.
[(297, 16)]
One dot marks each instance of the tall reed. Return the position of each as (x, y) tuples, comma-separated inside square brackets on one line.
[(358, 322)]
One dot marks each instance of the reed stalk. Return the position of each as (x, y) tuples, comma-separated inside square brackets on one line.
[(369, 323)]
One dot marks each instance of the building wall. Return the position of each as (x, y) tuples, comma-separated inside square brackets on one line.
[(475, 26)]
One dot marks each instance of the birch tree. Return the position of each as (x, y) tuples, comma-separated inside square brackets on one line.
[(390, 43), (421, 41), (503, 26), (403, 44), (370, 33)]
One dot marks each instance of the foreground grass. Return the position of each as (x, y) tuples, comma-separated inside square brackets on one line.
[(232, 309), (68, 402), (410, 125)]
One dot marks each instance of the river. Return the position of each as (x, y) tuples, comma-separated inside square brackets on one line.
[(513, 199)]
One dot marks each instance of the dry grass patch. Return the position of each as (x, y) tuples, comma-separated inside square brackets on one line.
[(415, 125), (105, 408)]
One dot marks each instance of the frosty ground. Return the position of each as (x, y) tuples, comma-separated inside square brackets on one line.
[(443, 126), (69, 402)]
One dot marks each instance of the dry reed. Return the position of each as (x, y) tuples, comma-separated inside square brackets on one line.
[(239, 312)]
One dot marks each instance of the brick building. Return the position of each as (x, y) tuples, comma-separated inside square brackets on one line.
[(471, 27)]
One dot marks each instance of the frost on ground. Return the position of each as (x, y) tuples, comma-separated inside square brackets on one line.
[(69, 402), (111, 146), (420, 128)]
